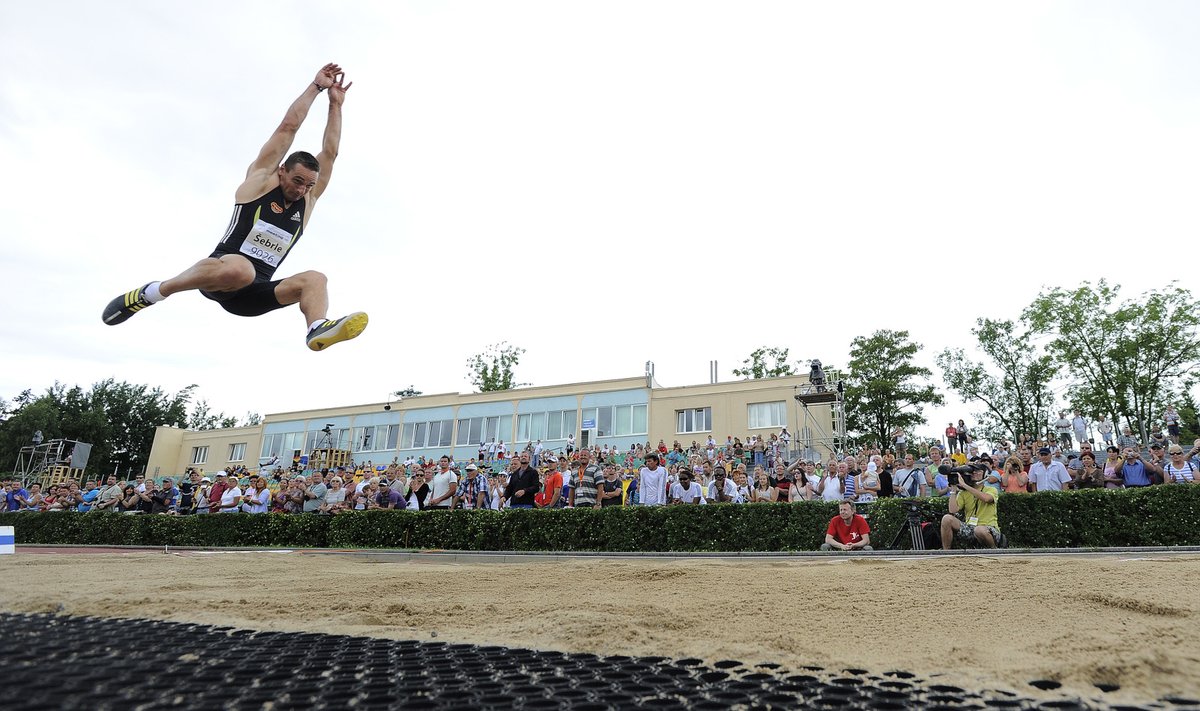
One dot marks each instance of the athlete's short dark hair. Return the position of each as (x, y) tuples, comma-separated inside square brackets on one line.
[(302, 158)]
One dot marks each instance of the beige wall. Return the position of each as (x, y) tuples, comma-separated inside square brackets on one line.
[(172, 450), (730, 413), (171, 453)]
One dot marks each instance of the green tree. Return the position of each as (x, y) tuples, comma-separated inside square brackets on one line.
[(492, 370), (1014, 390), (1125, 357), (203, 418), (133, 412), (766, 362), (117, 418), (883, 388), (1189, 418)]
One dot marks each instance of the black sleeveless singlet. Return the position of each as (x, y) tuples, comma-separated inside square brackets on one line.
[(263, 231)]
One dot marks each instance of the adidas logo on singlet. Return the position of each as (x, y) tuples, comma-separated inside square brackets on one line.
[(296, 217)]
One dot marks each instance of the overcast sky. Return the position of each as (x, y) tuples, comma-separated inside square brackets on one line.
[(601, 183)]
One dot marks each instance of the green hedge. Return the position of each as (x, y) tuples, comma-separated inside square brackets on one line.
[(1160, 515)]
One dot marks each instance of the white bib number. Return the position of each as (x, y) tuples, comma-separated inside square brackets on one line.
[(267, 243)]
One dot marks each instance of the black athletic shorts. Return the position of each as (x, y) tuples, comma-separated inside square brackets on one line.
[(253, 300)]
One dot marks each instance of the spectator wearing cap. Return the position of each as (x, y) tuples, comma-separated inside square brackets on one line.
[(217, 491), (387, 497), (1047, 474), (473, 492), (552, 487), (187, 491), (1158, 458), (200, 501), (610, 492), (1179, 470), (977, 499)]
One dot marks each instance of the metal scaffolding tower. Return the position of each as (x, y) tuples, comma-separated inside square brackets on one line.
[(51, 461), (813, 433)]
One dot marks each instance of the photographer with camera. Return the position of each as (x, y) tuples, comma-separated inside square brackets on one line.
[(974, 491), (1135, 471)]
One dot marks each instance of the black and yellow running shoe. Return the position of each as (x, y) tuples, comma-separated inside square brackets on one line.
[(342, 329), (121, 308)]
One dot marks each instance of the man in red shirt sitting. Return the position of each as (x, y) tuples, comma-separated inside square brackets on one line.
[(847, 531)]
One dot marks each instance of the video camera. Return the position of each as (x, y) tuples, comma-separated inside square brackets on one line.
[(953, 473)]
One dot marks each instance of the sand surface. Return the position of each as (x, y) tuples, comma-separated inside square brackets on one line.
[(974, 621)]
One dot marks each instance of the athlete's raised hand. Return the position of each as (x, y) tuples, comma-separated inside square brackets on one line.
[(327, 76), (337, 91)]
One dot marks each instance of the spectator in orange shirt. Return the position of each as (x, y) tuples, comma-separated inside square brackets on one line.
[(551, 492)]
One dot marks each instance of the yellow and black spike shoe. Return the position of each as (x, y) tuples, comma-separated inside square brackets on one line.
[(342, 329), (121, 308)]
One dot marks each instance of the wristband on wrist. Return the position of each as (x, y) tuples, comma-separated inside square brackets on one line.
[(319, 87)]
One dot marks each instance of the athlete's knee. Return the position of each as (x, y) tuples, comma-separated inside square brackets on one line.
[(311, 280), (232, 274)]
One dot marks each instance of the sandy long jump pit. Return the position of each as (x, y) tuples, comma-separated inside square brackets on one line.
[(1110, 630)]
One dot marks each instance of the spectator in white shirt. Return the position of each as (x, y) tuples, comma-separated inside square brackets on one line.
[(652, 482), (1047, 474), (686, 491), (722, 490)]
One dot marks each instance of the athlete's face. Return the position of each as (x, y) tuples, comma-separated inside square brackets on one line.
[(296, 182)]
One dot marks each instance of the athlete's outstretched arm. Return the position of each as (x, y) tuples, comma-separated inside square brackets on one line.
[(333, 135), (277, 145)]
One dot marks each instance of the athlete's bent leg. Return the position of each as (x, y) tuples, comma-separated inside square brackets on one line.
[(229, 273), (310, 290)]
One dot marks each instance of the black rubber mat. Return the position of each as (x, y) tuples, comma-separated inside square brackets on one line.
[(62, 662)]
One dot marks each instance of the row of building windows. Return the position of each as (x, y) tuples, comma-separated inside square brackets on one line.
[(613, 420), (759, 416)]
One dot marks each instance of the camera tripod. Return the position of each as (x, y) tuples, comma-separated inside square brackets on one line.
[(913, 527), (325, 441)]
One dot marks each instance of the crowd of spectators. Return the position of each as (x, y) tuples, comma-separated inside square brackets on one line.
[(760, 469)]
